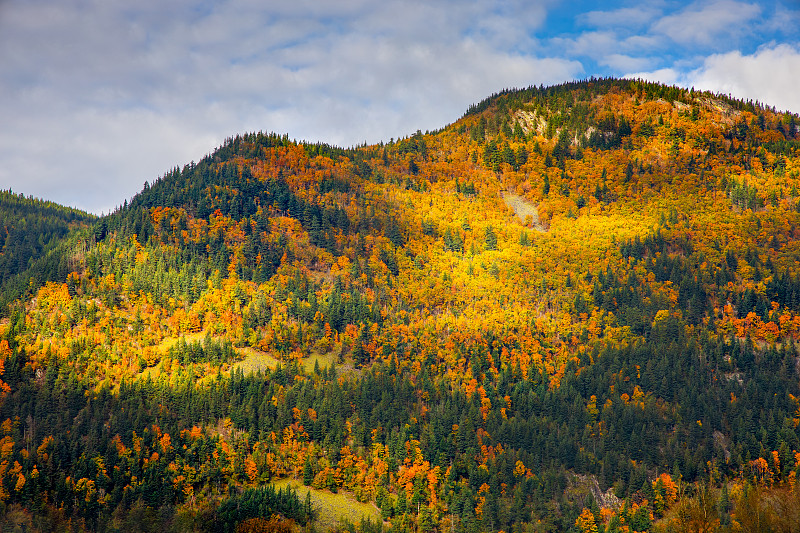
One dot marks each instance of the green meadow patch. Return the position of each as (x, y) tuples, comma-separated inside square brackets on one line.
[(333, 509), (254, 360)]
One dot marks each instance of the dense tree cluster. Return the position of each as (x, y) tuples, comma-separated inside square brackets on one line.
[(31, 231)]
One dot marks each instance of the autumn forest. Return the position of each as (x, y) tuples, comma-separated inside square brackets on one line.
[(576, 308)]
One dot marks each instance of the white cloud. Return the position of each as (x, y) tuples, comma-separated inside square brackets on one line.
[(668, 76), (708, 24), (771, 75), (594, 44), (95, 159), (627, 17), (101, 96), (625, 63), (784, 20)]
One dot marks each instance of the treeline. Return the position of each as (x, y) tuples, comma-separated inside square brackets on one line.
[(31, 230), (586, 89)]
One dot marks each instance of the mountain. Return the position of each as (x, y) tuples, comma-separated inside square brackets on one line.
[(575, 308)]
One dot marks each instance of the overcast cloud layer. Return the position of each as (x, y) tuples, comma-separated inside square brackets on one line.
[(100, 95)]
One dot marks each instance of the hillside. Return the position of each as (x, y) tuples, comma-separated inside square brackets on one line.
[(392, 322), (30, 232)]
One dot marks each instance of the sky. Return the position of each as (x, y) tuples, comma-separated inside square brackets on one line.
[(99, 96)]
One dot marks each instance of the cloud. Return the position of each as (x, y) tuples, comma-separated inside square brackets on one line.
[(593, 44), (770, 75), (610, 50), (709, 24), (642, 43), (667, 76), (101, 96), (784, 20), (625, 63), (95, 159), (627, 17)]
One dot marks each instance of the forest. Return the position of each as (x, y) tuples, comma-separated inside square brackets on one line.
[(576, 308)]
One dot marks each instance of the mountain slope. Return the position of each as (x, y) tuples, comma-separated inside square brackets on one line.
[(484, 371)]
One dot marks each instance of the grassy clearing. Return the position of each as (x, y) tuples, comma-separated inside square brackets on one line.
[(169, 342), (255, 360), (163, 347), (331, 508), (324, 360)]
